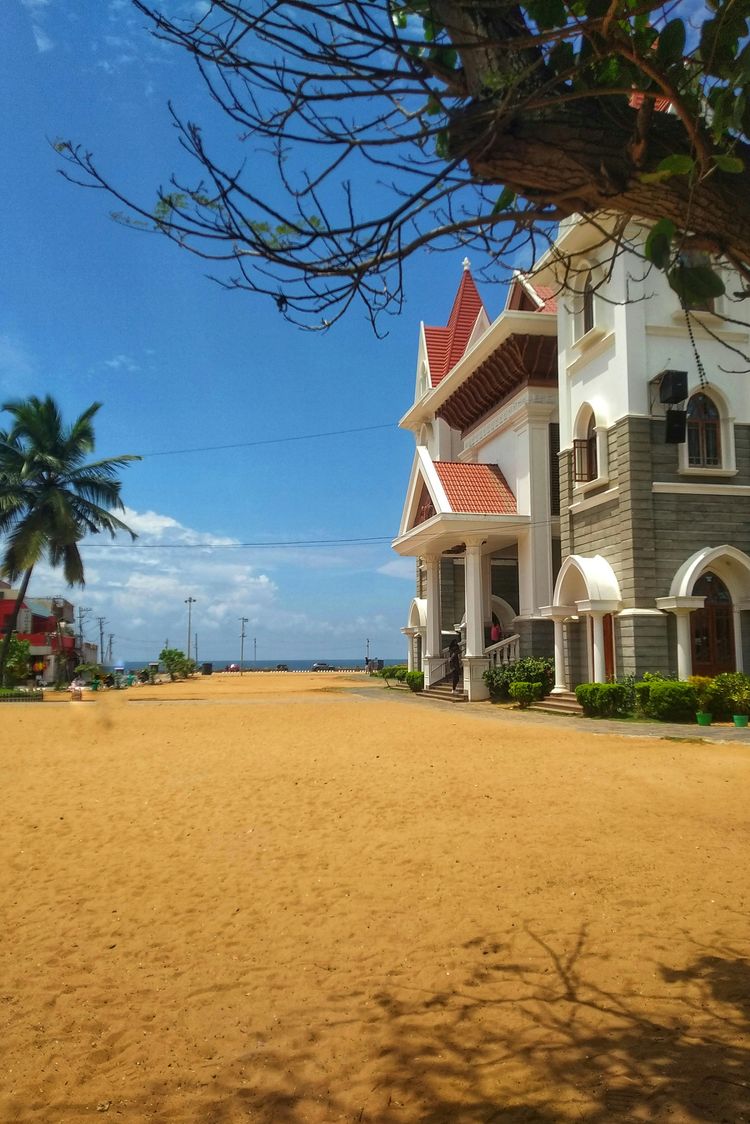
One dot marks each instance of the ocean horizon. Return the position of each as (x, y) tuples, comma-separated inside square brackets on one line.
[(270, 665)]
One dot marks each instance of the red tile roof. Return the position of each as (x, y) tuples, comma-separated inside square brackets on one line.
[(547, 295), (476, 489), (661, 103), (445, 346)]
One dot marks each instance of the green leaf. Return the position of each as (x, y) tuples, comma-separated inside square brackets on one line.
[(695, 284), (547, 13), (671, 44), (659, 243), (441, 144), (504, 200), (677, 165), (731, 164)]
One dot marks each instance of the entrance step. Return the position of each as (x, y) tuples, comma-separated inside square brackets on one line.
[(563, 703), (444, 691)]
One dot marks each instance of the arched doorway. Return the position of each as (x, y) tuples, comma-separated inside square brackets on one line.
[(712, 627)]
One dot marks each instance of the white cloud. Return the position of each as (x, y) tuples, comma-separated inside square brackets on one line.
[(120, 363), (42, 39), (15, 361), (399, 568)]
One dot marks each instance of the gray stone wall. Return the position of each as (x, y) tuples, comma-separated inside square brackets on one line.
[(537, 637), (452, 594), (642, 643), (505, 582)]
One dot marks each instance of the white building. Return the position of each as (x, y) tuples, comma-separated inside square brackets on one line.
[(556, 496)]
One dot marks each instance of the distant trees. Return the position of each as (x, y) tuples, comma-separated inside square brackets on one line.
[(369, 129), (50, 497), (177, 664)]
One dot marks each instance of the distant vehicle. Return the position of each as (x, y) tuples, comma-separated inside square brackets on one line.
[(281, 667), (320, 666)]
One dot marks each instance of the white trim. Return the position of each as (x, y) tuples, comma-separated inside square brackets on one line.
[(707, 471), (598, 344), (640, 613), (502, 417), (698, 331), (595, 501), (665, 487)]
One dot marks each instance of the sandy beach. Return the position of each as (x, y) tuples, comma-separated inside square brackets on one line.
[(299, 898)]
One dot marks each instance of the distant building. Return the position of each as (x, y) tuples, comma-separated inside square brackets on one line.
[(47, 623), (579, 490)]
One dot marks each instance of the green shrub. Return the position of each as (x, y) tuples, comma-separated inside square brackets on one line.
[(605, 700), (730, 695), (400, 674), (525, 693), (671, 701), (395, 671), (533, 669), (642, 692), (415, 680)]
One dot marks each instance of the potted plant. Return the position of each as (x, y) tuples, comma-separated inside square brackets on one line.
[(704, 691), (740, 698)]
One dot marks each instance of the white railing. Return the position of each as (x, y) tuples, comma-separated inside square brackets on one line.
[(505, 651), (439, 668)]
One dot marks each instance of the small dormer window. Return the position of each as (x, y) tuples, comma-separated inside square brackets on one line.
[(584, 318), (587, 312)]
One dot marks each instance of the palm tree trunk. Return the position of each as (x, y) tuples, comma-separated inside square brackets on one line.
[(12, 622)]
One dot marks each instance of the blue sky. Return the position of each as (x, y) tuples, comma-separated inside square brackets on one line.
[(92, 311)]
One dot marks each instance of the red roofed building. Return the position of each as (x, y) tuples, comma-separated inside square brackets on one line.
[(580, 488), (480, 522), (47, 624)]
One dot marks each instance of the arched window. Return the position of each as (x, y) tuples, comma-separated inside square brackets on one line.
[(585, 460), (703, 433), (587, 309)]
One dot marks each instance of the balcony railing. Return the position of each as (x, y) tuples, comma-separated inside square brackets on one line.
[(505, 651)]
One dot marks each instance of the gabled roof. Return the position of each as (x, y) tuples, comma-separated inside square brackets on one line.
[(445, 346), (476, 489), (525, 295)]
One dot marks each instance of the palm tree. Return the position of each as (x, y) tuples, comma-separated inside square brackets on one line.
[(50, 498)]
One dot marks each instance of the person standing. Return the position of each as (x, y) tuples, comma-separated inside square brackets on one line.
[(454, 662)]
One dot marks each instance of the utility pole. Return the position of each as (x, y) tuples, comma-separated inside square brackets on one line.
[(109, 647), (189, 601), (243, 622), (367, 653), (102, 621), (255, 653), (196, 648), (81, 614)]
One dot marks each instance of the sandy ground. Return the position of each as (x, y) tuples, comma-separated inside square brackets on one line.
[(290, 898)]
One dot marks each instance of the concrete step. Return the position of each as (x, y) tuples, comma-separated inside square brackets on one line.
[(564, 703), (444, 691)]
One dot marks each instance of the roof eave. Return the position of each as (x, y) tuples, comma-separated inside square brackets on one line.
[(507, 324)]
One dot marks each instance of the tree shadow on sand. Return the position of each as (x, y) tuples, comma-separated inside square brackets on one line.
[(528, 1034)]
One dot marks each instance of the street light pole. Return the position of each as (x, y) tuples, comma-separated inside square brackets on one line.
[(243, 622), (189, 601)]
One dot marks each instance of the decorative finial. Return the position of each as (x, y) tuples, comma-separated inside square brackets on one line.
[(466, 264)]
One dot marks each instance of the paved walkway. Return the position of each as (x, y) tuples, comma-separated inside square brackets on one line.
[(625, 728)]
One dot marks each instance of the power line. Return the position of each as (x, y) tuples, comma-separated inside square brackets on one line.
[(266, 441), (368, 541)]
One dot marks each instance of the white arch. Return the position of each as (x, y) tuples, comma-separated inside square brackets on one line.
[(729, 563), (418, 613), (585, 416), (595, 574)]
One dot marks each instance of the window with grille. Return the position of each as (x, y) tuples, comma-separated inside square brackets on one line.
[(703, 442), (585, 466)]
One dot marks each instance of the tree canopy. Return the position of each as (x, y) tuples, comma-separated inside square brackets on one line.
[(50, 497), (368, 130)]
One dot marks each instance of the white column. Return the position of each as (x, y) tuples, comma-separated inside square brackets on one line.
[(599, 672), (474, 614), (432, 567), (684, 644), (737, 621), (410, 654), (560, 675)]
